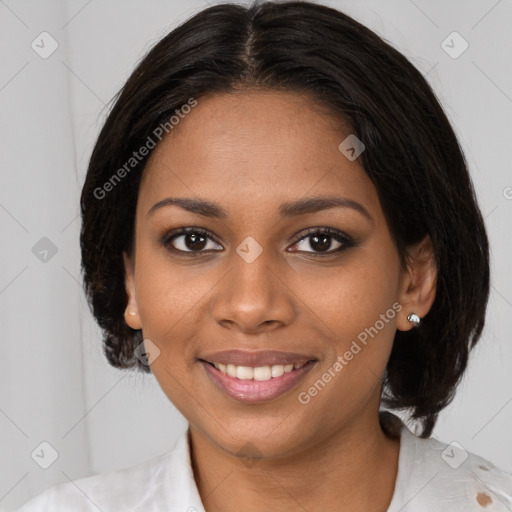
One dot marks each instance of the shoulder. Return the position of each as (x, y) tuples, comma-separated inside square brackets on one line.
[(446, 476), (138, 487)]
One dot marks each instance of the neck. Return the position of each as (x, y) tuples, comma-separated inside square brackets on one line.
[(352, 469)]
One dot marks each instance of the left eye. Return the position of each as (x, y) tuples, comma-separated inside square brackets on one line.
[(320, 240)]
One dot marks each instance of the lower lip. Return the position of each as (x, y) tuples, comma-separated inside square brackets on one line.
[(254, 391)]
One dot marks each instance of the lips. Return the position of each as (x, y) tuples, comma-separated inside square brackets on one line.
[(251, 382)]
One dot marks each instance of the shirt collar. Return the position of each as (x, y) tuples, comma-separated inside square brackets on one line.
[(183, 493)]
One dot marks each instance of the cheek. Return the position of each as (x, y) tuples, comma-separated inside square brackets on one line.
[(168, 301), (358, 304), (361, 326), (351, 297)]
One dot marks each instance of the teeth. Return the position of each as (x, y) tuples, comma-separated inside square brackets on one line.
[(244, 372), (262, 373), (277, 370), (259, 373)]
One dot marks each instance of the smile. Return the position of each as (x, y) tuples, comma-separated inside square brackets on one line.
[(256, 384)]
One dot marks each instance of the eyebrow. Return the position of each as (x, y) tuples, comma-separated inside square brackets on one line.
[(290, 209)]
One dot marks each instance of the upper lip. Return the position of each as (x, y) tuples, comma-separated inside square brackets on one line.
[(260, 358)]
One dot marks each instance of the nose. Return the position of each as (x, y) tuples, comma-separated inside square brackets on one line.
[(254, 297)]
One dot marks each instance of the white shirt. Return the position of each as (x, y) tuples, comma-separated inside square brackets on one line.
[(432, 476)]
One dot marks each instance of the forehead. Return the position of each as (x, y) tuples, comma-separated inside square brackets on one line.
[(253, 149)]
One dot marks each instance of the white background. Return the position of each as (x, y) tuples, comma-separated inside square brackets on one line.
[(55, 384)]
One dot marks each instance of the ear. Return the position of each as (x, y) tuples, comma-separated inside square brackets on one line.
[(131, 313), (419, 282)]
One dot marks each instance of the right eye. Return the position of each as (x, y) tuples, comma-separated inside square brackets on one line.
[(189, 240)]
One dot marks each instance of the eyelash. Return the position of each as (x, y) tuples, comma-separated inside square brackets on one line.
[(337, 235)]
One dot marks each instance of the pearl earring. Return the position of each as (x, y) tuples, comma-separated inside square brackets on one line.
[(415, 319)]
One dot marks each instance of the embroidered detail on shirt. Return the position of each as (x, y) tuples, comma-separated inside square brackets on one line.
[(483, 499)]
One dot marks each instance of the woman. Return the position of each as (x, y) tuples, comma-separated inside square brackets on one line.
[(279, 224)]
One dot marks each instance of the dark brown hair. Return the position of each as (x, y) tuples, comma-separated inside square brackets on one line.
[(412, 157)]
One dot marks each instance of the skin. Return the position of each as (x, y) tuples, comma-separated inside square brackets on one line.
[(250, 152)]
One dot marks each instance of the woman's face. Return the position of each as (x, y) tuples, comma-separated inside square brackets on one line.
[(255, 280)]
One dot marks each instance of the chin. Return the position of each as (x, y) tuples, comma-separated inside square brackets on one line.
[(271, 438)]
